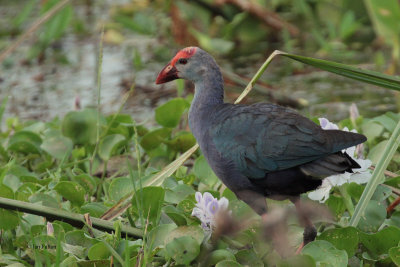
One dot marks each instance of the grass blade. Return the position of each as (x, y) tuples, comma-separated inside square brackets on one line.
[(367, 76), (377, 176)]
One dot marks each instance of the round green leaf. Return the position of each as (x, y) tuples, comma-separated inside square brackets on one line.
[(158, 234), (178, 193), (154, 138), (81, 126), (9, 219), (325, 254), (170, 113), (71, 191), (373, 217), (25, 142), (87, 182), (98, 251), (379, 243), (190, 230), (119, 187), (78, 238), (95, 209), (228, 263), (183, 249), (248, 257), (150, 201), (342, 238), (220, 255), (203, 171), (56, 145), (394, 254), (110, 144), (181, 142), (298, 261), (174, 214)]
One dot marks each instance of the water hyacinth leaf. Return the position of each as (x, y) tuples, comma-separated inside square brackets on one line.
[(9, 219), (342, 238), (394, 254), (228, 263), (378, 244), (381, 193), (150, 200), (158, 234), (355, 73), (377, 151), (178, 193), (78, 238), (45, 200), (110, 144), (81, 126), (153, 139), (194, 231), (119, 187), (181, 142), (174, 214), (373, 217), (387, 121), (183, 249), (87, 182), (298, 261), (98, 251), (56, 145), (325, 254), (170, 113), (94, 209), (248, 257), (6, 191), (71, 191), (25, 142), (186, 205), (220, 255), (203, 171)]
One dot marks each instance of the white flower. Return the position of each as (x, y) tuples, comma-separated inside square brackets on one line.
[(360, 176), (207, 207)]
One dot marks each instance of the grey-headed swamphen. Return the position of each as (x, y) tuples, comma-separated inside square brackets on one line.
[(260, 150)]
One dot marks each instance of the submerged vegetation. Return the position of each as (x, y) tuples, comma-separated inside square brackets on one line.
[(102, 188)]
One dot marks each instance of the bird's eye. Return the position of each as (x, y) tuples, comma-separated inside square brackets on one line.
[(182, 61)]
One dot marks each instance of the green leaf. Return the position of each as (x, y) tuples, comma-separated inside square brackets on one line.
[(394, 254), (110, 144), (379, 243), (9, 219), (372, 218), (87, 182), (228, 263), (248, 257), (81, 126), (157, 236), (362, 75), (120, 187), (178, 193), (342, 238), (183, 249), (325, 254), (190, 230), (220, 255), (25, 142), (71, 191), (181, 142), (204, 172), (150, 199), (78, 238), (170, 113), (98, 251), (57, 145), (298, 261), (175, 215), (154, 138), (94, 209)]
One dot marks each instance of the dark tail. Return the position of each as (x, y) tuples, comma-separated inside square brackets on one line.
[(340, 140)]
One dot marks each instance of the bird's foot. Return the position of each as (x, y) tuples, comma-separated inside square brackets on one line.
[(300, 248)]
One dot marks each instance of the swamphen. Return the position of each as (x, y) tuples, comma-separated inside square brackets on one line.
[(260, 150)]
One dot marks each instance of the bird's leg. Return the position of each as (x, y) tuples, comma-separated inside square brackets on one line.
[(310, 232)]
